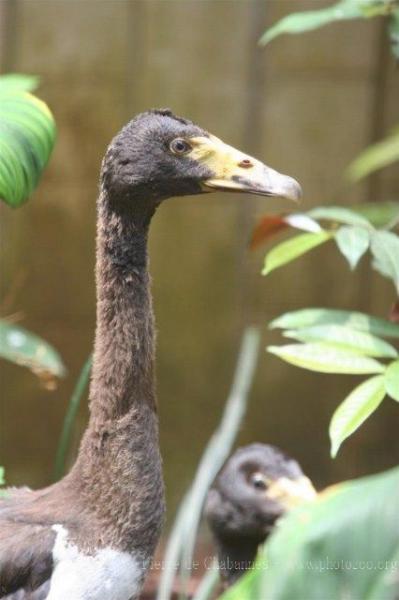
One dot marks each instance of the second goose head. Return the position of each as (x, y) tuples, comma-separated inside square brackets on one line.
[(257, 485)]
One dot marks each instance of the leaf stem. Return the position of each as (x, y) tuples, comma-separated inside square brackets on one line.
[(69, 419)]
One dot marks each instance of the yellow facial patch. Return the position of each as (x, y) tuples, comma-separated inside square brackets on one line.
[(291, 492), (236, 171), (223, 160)]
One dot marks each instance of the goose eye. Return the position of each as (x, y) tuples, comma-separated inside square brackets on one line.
[(258, 481), (179, 146)]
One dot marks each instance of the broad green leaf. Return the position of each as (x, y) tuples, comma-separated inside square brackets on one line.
[(2, 480), (355, 409), (345, 545), (379, 214), (326, 359), (309, 20), (353, 242), (392, 380), (27, 135), (24, 348), (375, 157), (345, 337), (293, 248), (16, 82), (385, 250), (340, 214), (308, 317)]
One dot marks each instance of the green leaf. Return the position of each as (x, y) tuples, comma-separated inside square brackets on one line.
[(16, 82), (314, 19), (343, 545), (310, 20), (353, 242), (339, 214), (308, 317), (392, 380), (326, 359), (24, 348), (293, 248), (355, 409), (345, 337), (64, 441), (375, 157), (379, 214), (2, 479), (27, 135), (385, 250)]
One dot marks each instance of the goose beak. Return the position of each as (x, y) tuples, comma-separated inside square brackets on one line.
[(237, 172), (291, 492)]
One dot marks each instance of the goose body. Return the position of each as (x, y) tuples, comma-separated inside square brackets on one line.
[(91, 535)]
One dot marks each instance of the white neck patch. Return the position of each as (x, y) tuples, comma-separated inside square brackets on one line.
[(106, 574)]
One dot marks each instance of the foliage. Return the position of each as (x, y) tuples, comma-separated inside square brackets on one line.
[(340, 341), (376, 156), (345, 544), (27, 135), (353, 232), (70, 418), (336, 341), (355, 409), (310, 317), (27, 349), (180, 545), (383, 215), (333, 341), (341, 11), (13, 82), (291, 249)]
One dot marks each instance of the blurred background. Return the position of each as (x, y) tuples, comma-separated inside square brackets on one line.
[(306, 105)]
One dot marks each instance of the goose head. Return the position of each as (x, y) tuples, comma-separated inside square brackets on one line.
[(158, 155)]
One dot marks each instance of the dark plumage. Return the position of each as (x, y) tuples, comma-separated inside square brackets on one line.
[(91, 535), (257, 485)]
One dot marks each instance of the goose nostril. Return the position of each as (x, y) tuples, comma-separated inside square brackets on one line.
[(245, 164)]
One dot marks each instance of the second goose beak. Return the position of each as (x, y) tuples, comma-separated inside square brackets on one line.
[(235, 171), (291, 492)]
